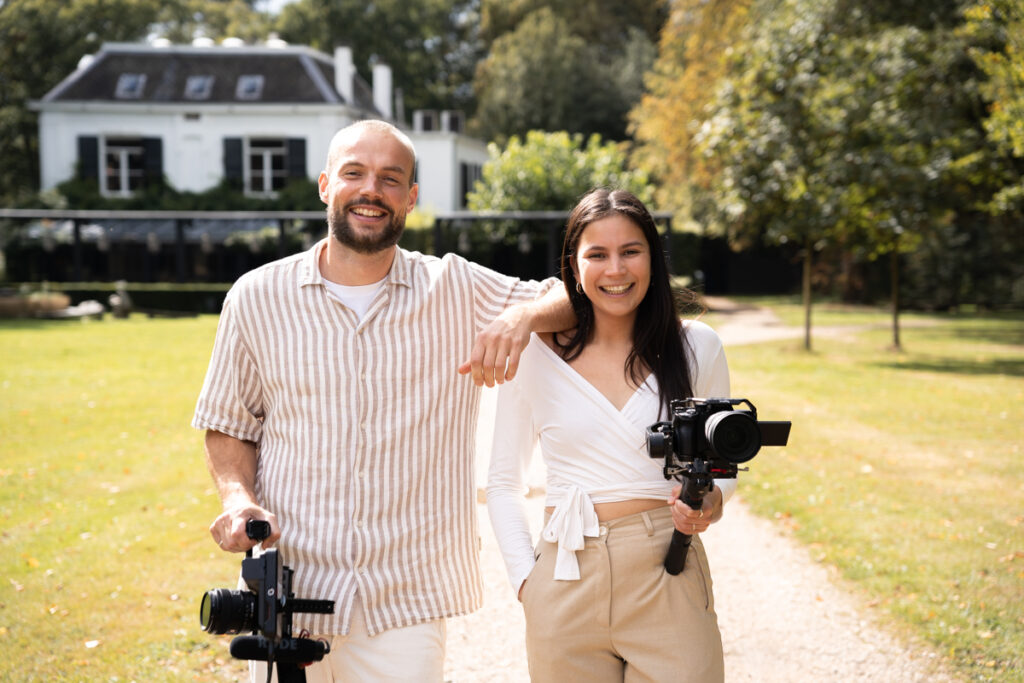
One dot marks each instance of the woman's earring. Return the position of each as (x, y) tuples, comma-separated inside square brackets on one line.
[(579, 288)]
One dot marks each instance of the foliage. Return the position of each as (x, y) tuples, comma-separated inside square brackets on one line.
[(299, 194), (606, 23), (692, 58), (998, 26), (182, 21), (41, 42), (550, 171), (430, 45), (586, 78), (844, 124)]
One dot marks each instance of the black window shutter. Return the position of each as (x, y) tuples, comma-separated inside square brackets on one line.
[(153, 160), (296, 158), (233, 161), (88, 157)]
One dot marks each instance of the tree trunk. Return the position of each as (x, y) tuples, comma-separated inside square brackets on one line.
[(808, 250), (894, 283)]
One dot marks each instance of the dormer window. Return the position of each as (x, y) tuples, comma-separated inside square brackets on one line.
[(250, 87), (198, 87), (130, 86)]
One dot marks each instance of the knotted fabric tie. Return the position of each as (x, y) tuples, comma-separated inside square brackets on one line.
[(573, 518)]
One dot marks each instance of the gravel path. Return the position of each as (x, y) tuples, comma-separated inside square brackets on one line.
[(784, 618)]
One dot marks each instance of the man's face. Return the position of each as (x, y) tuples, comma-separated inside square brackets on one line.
[(368, 191)]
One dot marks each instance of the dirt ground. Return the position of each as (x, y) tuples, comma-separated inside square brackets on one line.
[(784, 618)]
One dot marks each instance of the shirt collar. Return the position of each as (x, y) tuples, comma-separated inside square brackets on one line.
[(310, 272)]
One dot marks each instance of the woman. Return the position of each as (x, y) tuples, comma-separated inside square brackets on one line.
[(599, 605)]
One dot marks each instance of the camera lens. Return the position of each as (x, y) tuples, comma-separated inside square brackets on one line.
[(733, 435), (227, 611)]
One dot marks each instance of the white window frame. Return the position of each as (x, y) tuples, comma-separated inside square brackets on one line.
[(258, 165), (119, 150), (249, 87), (130, 86), (198, 87)]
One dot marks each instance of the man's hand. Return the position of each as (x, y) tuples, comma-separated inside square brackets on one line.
[(232, 464), (228, 530), (497, 347)]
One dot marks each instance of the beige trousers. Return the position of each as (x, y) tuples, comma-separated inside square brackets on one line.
[(398, 655), (626, 619)]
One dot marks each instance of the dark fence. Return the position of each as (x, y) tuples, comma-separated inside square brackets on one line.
[(195, 247)]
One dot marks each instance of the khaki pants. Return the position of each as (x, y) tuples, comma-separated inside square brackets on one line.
[(626, 619)]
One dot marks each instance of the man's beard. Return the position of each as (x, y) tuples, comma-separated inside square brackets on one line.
[(337, 221)]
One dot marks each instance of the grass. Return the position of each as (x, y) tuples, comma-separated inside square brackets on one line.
[(904, 471), (104, 503)]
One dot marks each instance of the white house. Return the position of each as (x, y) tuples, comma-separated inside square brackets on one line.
[(257, 115)]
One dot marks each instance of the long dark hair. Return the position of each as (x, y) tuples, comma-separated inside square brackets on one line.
[(658, 338)]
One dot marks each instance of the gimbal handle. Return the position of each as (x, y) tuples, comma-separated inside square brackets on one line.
[(698, 484)]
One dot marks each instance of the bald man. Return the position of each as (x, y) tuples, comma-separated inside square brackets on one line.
[(333, 411)]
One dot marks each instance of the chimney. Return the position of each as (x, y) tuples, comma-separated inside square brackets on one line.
[(344, 73), (382, 90)]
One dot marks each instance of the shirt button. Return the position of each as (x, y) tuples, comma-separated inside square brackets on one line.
[(359, 523)]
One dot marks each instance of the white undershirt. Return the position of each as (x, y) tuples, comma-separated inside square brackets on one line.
[(356, 297)]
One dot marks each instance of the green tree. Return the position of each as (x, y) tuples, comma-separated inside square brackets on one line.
[(831, 124), (521, 88), (41, 42), (430, 45), (606, 23), (575, 65), (180, 21), (692, 60), (551, 171), (998, 27)]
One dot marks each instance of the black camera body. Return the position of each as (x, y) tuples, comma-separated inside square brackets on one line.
[(707, 439), (265, 609), (712, 430)]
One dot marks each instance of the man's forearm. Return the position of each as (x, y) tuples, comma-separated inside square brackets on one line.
[(232, 464), (552, 312)]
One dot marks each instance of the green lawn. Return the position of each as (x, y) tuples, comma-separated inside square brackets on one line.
[(904, 471)]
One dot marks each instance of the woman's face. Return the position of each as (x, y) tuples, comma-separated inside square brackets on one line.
[(613, 264)]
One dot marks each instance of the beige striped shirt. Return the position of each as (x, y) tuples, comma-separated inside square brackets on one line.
[(364, 429)]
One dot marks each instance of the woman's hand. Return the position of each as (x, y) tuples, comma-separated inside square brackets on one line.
[(690, 521)]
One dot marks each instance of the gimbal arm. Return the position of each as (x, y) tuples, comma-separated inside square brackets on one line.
[(699, 483)]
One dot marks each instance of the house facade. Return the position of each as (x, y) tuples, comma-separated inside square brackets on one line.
[(255, 115)]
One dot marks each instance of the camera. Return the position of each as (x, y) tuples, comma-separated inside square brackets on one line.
[(265, 610), (711, 429), (707, 439)]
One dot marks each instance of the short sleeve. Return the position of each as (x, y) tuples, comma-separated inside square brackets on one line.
[(493, 292), (231, 400)]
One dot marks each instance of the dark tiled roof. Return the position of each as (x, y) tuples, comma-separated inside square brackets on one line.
[(293, 75)]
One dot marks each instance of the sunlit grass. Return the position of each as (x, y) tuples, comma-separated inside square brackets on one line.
[(104, 503), (904, 471)]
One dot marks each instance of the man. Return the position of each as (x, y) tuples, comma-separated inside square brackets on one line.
[(333, 411)]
